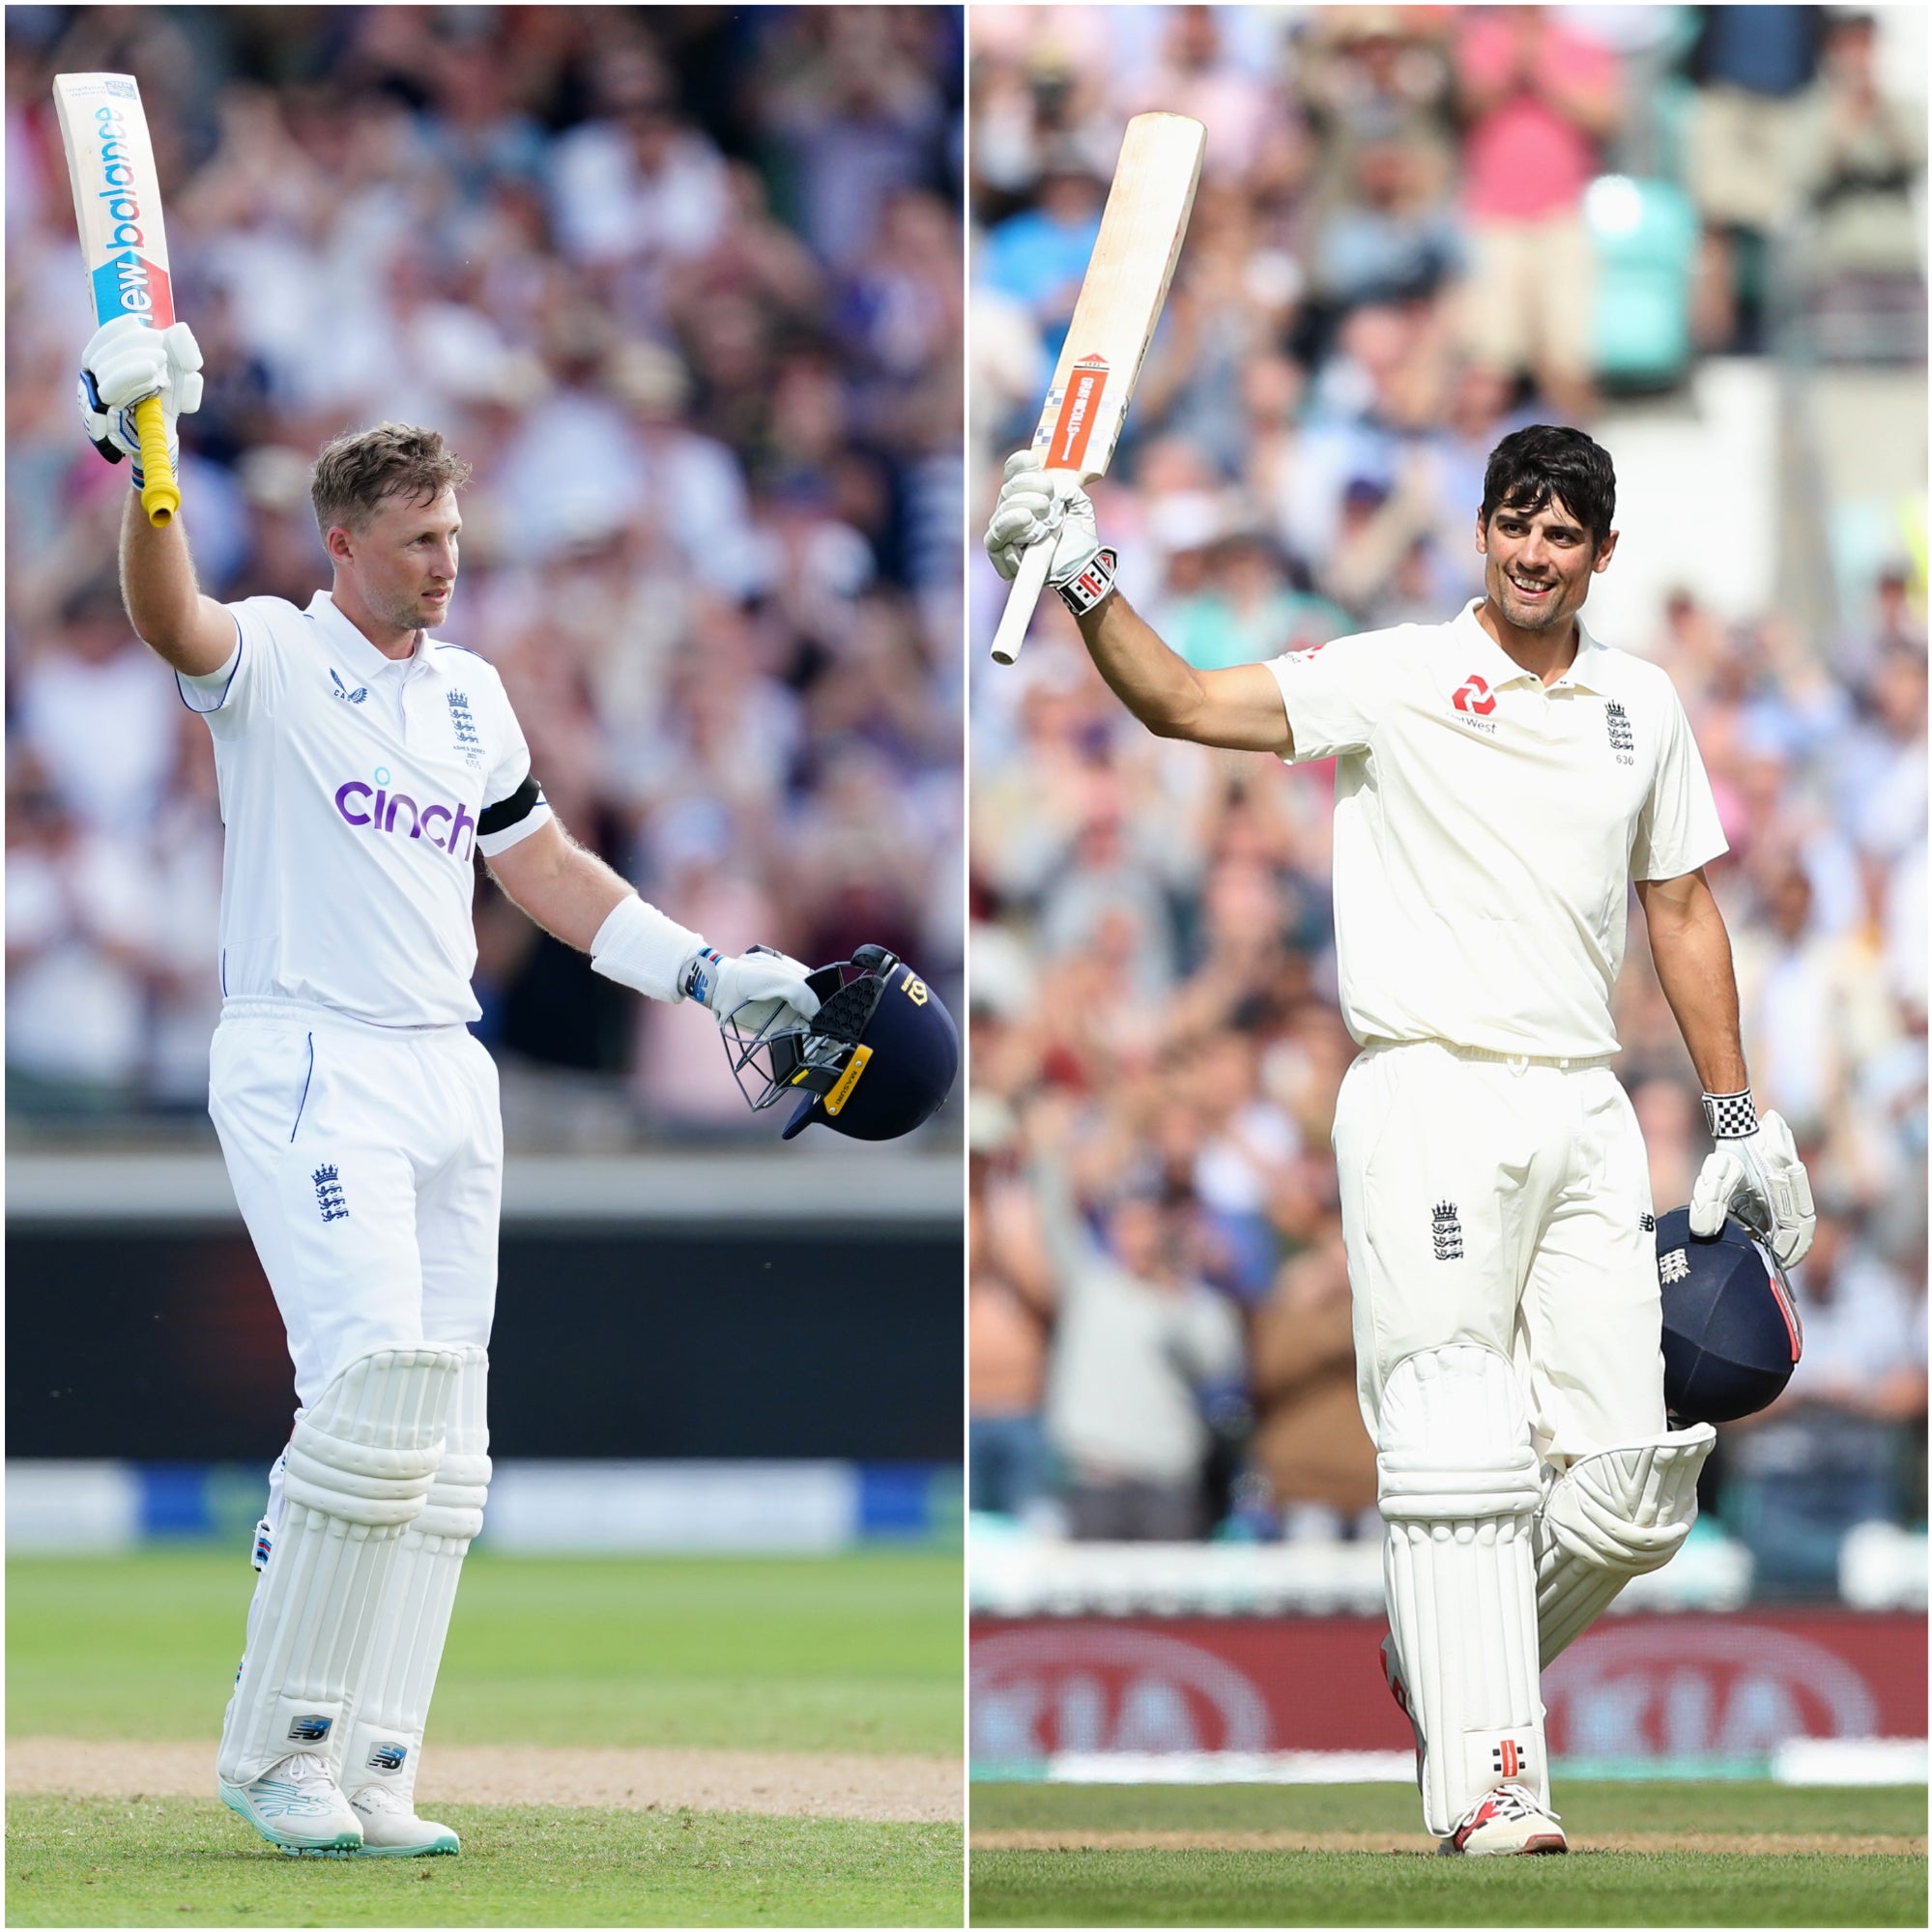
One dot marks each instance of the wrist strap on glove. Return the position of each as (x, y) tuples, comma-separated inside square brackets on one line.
[(701, 975), (1081, 593), (1730, 1116)]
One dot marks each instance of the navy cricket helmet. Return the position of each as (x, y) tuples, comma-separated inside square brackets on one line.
[(878, 1059), (1731, 1331)]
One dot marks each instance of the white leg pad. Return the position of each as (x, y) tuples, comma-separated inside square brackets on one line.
[(358, 1470), (391, 1699), (1618, 1513), (1458, 1488)]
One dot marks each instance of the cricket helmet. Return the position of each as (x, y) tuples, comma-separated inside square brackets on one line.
[(1731, 1331), (878, 1059)]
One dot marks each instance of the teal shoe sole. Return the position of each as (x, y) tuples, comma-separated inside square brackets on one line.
[(345, 1846), (447, 1846)]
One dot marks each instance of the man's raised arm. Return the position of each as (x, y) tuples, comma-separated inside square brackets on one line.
[(1239, 710), (192, 633)]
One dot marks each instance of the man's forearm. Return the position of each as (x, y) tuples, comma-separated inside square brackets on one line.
[(565, 889), (1160, 688), (163, 600), (1692, 954)]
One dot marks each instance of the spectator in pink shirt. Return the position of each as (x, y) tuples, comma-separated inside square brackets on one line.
[(1536, 97)]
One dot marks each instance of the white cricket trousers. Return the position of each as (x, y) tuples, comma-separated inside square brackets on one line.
[(1504, 1202), (367, 1162)]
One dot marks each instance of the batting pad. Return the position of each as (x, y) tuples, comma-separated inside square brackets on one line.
[(1458, 1488), (390, 1698), (1610, 1517), (359, 1471)]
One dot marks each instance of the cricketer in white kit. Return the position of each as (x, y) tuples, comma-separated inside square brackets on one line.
[(362, 764), (1501, 780)]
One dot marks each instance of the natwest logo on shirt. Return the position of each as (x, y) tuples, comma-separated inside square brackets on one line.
[(376, 808), (1475, 696)]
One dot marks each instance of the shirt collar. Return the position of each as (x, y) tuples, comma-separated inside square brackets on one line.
[(1586, 669), (364, 659)]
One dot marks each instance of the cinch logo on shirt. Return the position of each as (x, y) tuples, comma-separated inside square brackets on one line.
[(376, 807)]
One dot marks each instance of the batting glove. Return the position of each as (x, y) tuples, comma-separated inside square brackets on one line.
[(1753, 1172), (1034, 508), (750, 987), (124, 363)]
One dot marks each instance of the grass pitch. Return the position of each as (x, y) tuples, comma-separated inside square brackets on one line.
[(857, 1655), (1354, 1855)]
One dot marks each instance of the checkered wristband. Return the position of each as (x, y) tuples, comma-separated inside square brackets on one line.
[(1730, 1116), (1081, 593)]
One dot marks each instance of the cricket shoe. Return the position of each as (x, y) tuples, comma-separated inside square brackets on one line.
[(1504, 1823), (392, 1830), (296, 1805), (1399, 1691)]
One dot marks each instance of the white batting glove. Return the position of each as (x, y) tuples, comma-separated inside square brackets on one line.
[(1753, 1172), (749, 986), (123, 363), (1033, 506)]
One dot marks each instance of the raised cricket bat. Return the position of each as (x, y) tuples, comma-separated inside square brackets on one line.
[(1127, 279), (117, 205)]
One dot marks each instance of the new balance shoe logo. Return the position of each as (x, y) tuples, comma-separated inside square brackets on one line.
[(328, 1195), (387, 1757), (1647, 1224), (1673, 1267), (309, 1730), (1446, 1233), (343, 692)]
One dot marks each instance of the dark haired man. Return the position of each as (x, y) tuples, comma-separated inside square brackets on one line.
[(1500, 780), (362, 764)]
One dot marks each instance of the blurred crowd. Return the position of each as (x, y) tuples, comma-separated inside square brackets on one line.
[(683, 286), (1416, 229)]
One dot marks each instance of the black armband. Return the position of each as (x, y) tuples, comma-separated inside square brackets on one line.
[(511, 811)]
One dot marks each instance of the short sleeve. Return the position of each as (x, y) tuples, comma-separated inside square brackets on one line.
[(1334, 693), (513, 802), (1678, 829), (245, 686)]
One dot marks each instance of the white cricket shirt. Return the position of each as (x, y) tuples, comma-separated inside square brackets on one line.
[(1486, 830), (352, 789)]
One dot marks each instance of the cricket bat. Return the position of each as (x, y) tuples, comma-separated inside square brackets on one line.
[(117, 206), (1127, 277)]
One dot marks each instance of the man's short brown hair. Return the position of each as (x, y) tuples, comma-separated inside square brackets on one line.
[(358, 471)]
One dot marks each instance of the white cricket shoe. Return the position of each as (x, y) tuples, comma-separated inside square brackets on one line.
[(296, 1805), (392, 1830), (1503, 1823)]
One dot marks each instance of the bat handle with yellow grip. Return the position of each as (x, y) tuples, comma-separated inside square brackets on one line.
[(161, 495), (1028, 581)]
